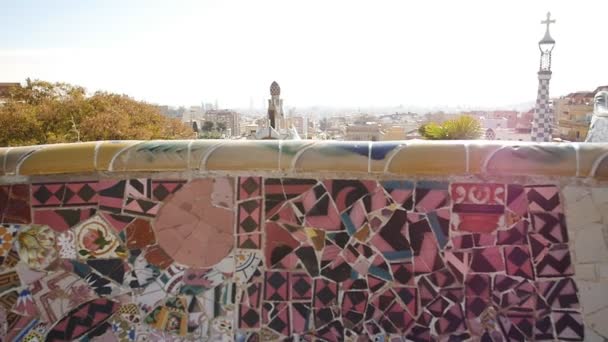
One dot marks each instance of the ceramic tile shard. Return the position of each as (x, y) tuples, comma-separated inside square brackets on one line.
[(95, 239), (268, 259), (183, 225), (15, 203)]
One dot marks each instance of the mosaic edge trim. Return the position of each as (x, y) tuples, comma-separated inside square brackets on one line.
[(408, 158)]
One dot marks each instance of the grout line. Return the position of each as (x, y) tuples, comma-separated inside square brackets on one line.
[(484, 165), (369, 156), (111, 165), (189, 154), (203, 164), (467, 158), (280, 153), (596, 164), (25, 157), (95, 154), (578, 158), (390, 160), (5, 159), (298, 154)]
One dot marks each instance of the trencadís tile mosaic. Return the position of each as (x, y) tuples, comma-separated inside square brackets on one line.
[(260, 259)]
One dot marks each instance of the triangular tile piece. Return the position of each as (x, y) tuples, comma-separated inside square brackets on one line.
[(111, 268)]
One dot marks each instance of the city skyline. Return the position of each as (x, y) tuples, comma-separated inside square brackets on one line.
[(340, 54)]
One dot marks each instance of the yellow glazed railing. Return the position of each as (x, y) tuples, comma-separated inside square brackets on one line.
[(396, 158)]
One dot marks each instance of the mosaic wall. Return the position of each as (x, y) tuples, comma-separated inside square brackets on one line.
[(253, 259)]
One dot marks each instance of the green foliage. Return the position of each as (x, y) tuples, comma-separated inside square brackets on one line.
[(422, 129), (464, 127), (221, 126), (210, 135), (324, 124), (46, 113), (207, 126)]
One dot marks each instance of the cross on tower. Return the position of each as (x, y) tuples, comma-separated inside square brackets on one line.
[(542, 123), (548, 21)]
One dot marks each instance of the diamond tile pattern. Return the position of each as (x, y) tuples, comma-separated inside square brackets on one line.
[(323, 259)]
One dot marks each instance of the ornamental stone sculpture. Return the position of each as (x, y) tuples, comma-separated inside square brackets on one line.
[(598, 131)]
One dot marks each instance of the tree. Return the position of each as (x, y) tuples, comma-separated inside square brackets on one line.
[(45, 113), (221, 126), (207, 126), (422, 129), (324, 124), (210, 135), (462, 128)]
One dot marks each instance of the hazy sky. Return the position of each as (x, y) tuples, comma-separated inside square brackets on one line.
[(339, 53)]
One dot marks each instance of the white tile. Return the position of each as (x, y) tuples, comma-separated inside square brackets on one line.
[(598, 322), (585, 272), (580, 208), (590, 245), (603, 270), (600, 195), (600, 198), (593, 295)]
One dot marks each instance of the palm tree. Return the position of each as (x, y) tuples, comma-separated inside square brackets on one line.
[(464, 127)]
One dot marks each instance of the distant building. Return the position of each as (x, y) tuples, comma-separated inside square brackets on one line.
[(276, 126), (300, 123), (171, 112), (510, 117), (394, 132), (524, 121), (369, 131), (506, 134), (249, 130), (495, 123), (229, 118), (573, 114), (194, 113), (600, 88)]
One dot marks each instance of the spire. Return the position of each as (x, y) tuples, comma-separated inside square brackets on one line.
[(543, 120), (547, 38), (275, 89)]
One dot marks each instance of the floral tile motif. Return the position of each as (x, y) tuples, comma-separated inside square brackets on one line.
[(37, 246), (96, 240), (255, 258)]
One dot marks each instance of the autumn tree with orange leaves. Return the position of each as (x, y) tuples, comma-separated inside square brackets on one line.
[(47, 113)]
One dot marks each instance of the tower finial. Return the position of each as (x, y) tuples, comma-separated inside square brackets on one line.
[(548, 21), (275, 89), (547, 38)]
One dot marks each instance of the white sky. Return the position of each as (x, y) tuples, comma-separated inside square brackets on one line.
[(338, 53)]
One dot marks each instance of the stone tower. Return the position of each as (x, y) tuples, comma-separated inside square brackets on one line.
[(543, 114), (275, 107)]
